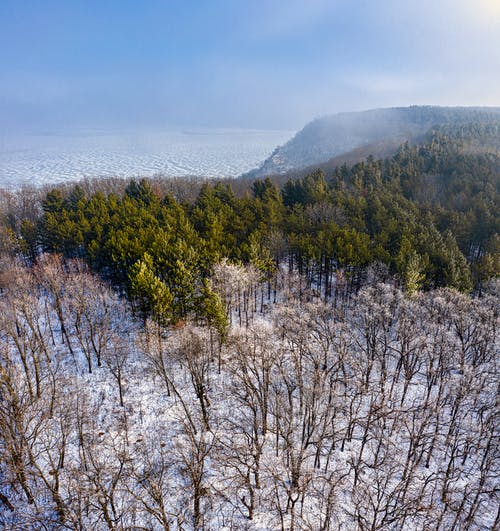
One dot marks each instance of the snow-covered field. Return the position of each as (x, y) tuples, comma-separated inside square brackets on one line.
[(47, 158)]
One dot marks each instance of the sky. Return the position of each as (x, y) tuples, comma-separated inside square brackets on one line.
[(258, 64)]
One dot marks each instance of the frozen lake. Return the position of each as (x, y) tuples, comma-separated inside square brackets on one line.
[(51, 158)]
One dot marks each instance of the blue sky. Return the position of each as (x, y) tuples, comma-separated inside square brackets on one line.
[(272, 64)]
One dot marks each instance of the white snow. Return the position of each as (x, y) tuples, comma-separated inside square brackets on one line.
[(52, 157), (345, 444)]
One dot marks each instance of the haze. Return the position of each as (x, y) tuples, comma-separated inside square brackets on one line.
[(264, 64)]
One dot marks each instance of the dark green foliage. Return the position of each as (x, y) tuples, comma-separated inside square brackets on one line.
[(140, 191), (76, 195), (53, 201), (430, 213), (306, 191), (211, 310), (150, 295)]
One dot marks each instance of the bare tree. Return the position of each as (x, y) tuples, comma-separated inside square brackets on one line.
[(92, 306), (254, 357), (116, 358), (193, 353), (152, 482), (153, 341), (52, 273), (192, 451)]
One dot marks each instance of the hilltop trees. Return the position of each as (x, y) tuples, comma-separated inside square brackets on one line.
[(428, 213)]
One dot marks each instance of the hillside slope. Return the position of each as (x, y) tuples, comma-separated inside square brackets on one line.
[(378, 129)]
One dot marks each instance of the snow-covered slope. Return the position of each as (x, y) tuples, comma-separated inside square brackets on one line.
[(379, 413), (331, 136)]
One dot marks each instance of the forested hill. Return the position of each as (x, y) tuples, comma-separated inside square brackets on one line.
[(428, 217), (355, 135), (284, 363)]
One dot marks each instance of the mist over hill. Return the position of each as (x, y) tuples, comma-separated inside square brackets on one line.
[(352, 136)]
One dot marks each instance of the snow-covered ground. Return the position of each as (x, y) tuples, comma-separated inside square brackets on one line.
[(377, 414), (49, 157)]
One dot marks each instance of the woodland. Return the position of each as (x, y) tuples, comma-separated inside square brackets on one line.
[(317, 353)]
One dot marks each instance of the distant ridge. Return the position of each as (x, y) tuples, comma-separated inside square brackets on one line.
[(347, 135)]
